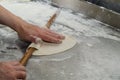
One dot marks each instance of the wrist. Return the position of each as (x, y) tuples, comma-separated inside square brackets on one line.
[(11, 20), (19, 25)]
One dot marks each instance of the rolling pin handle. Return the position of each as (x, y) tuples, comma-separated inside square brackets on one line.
[(27, 55)]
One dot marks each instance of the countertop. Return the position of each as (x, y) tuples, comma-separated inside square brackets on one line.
[(96, 56)]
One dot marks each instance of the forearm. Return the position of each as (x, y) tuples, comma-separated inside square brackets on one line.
[(27, 31), (9, 19)]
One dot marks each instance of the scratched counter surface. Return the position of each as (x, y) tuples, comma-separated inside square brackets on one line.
[(96, 56)]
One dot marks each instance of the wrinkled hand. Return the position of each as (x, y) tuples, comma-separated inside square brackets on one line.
[(30, 32), (12, 71)]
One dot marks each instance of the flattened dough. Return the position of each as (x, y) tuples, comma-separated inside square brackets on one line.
[(45, 48)]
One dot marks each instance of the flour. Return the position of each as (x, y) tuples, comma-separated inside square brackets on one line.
[(38, 13), (92, 59)]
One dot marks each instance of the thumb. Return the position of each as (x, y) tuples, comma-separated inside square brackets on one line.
[(36, 39)]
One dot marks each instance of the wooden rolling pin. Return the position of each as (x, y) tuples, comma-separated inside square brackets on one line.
[(30, 50)]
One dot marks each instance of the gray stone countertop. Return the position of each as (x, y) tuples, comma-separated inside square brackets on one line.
[(96, 56)]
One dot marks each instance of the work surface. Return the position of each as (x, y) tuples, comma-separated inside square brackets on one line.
[(95, 57)]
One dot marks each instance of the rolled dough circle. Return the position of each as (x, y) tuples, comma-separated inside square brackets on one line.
[(45, 48)]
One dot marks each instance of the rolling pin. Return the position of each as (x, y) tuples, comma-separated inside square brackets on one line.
[(30, 50)]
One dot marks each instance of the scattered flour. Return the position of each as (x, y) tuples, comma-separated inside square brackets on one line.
[(39, 13)]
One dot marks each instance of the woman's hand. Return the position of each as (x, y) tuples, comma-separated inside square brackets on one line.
[(31, 33), (27, 31), (12, 71)]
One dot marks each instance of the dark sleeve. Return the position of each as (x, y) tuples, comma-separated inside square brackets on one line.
[(109, 4)]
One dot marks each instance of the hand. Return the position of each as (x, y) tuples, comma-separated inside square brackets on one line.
[(26, 31), (12, 71), (30, 32)]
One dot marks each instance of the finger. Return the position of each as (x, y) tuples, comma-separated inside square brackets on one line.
[(31, 38), (37, 39), (14, 63), (51, 39), (20, 75), (20, 68), (56, 35)]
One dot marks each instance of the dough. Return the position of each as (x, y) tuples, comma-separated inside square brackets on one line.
[(45, 48)]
